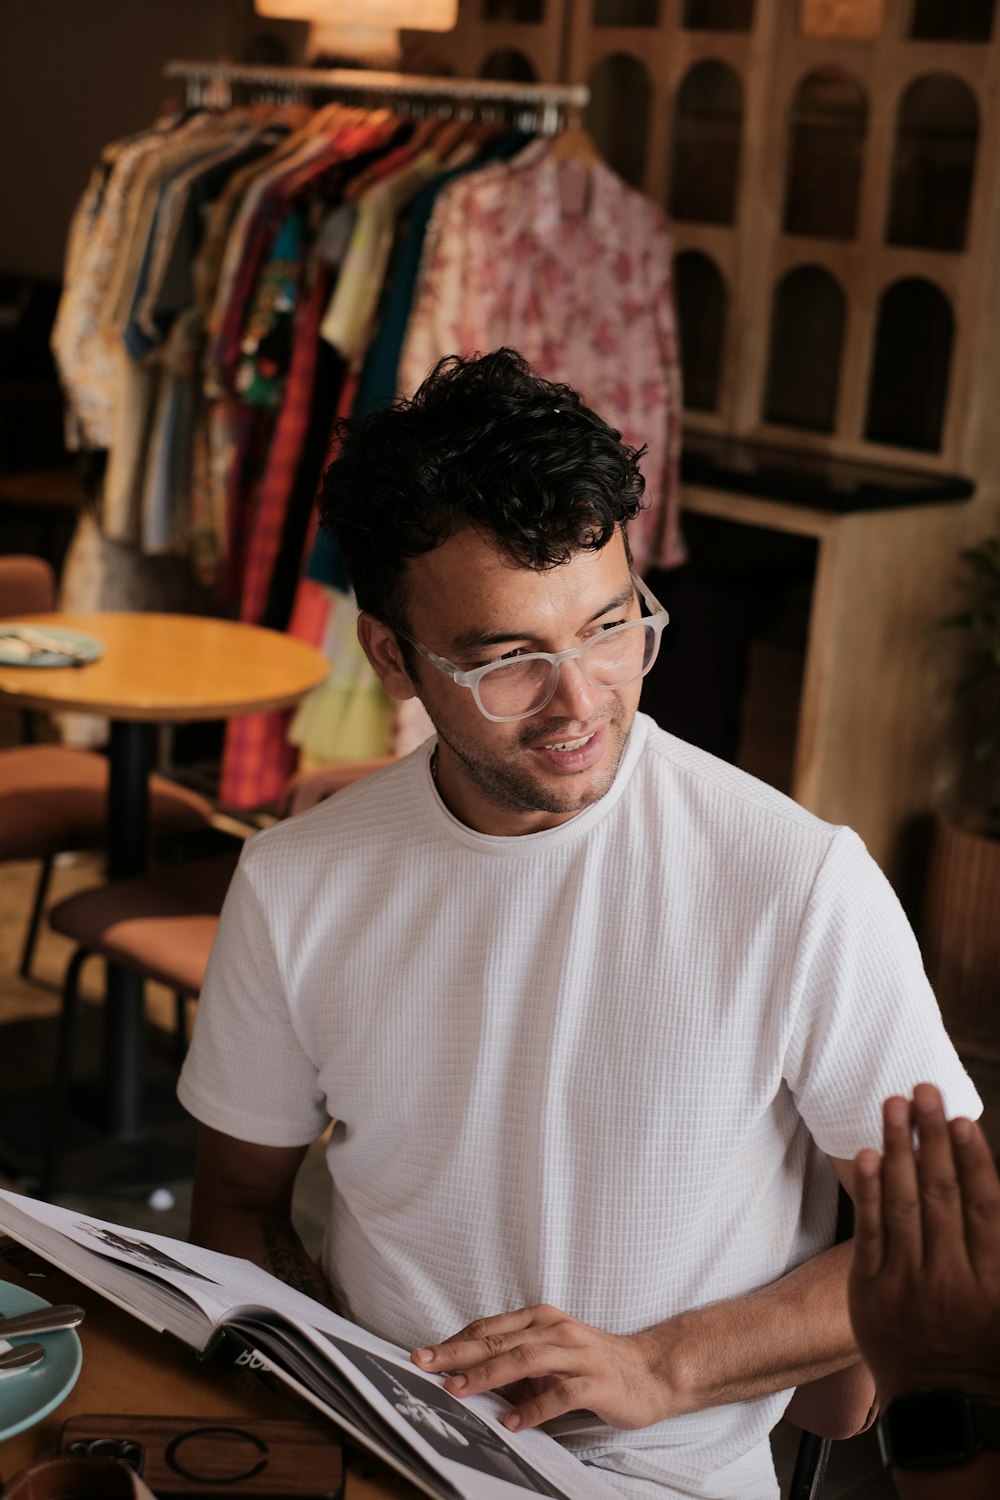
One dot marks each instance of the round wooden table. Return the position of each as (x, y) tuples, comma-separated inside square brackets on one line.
[(156, 669), (169, 669)]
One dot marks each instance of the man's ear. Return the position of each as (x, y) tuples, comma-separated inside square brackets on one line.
[(382, 649)]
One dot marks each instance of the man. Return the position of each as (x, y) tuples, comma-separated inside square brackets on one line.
[(594, 1011)]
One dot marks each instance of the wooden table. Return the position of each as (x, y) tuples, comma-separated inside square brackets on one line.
[(156, 669), (128, 1369)]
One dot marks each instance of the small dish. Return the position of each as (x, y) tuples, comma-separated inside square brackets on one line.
[(26, 1396), (80, 648)]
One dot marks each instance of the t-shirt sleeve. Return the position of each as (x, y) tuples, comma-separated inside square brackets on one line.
[(864, 1020), (246, 1073)]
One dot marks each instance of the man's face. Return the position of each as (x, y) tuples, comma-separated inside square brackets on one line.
[(471, 605)]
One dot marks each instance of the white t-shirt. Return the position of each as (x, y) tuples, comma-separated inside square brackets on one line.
[(589, 1066)]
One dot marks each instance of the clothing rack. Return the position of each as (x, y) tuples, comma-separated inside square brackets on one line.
[(544, 108)]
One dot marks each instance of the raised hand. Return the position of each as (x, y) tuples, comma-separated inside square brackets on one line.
[(925, 1280)]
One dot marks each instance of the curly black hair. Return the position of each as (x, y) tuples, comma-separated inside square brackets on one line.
[(484, 443)]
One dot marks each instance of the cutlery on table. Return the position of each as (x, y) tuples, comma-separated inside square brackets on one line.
[(29, 642), (22, 1357), (42, 1320)]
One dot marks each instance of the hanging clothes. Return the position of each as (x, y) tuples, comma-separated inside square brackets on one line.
[(238, 280)]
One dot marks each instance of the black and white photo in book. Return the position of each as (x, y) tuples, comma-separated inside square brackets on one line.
[(138, 1250), (453, 1430)]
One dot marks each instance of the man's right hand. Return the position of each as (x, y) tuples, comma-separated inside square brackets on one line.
[(925, 1279)]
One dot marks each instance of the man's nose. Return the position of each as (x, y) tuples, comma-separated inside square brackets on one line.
[(573, 698)]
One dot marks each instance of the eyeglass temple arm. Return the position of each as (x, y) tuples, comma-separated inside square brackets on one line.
[(651, 602), (441, 662)]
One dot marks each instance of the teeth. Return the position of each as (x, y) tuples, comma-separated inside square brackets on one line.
[(571, 744)]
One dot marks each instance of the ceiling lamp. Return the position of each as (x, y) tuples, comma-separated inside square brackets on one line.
[(421, 15), (335, 29)]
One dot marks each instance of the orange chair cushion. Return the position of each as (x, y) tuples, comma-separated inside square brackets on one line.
[(160, 925), (53, 798), (27, 585)]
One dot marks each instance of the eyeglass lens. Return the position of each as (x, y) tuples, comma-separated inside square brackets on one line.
[(520, 686)]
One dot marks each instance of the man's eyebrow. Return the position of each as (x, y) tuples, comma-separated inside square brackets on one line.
[(475, 640)]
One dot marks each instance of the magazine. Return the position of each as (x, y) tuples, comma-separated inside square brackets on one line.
[(225, 1307)]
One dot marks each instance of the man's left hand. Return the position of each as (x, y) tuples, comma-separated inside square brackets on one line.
[(551, 1364)]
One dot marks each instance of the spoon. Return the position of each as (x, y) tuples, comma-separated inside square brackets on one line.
[(22, 1357), (42, 1320)]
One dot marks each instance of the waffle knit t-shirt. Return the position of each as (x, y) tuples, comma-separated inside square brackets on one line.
[(594, 1066)]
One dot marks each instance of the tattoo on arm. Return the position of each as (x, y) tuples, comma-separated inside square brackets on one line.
[(288, 1261)]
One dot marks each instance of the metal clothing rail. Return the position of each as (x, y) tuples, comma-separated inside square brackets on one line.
[(548, 104)]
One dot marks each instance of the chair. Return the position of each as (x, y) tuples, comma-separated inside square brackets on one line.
[(53, 799), (161, 926), (27, 585)]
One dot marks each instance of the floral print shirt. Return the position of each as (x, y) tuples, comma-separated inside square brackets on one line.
[(565, 262)]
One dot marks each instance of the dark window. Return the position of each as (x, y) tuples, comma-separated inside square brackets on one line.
[(952, 20), (618, 113), (718, 15), (707, 127), (514, 10), (701, 312), (626, 12), (508, 66), (807, 333), (936, 134), (826, 142), (909, 383)]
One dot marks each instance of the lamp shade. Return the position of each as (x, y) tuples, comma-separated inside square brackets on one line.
[(416, 15)]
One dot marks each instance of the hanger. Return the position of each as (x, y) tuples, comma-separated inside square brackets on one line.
[(575, 144)]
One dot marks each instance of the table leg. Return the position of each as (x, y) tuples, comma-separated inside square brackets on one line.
[(131, 761)]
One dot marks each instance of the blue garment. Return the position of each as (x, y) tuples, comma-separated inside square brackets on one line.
[(377, 382)]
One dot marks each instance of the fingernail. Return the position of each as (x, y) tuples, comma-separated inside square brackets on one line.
[(424, 1355), (924, 1096), (513, 1422), (897, 1112), (458, 1381)]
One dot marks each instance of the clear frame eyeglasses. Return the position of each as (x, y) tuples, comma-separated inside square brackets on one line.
[(515, 687)]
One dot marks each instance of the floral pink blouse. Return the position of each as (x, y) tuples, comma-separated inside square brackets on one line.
[(565, 262)]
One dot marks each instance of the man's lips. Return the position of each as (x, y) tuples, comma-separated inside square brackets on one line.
[(576, 752), (570, 744), (561, 740)]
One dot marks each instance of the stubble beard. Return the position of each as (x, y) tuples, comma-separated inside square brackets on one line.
[(515, 789)]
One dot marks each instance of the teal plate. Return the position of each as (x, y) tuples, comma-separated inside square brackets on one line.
[(26, 1396), (80, 648)]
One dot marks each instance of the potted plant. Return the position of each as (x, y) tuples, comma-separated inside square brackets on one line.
[(961, 910)]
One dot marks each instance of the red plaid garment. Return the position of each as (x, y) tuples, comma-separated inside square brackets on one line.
[(251, 426), (285, 450), (257, 759)]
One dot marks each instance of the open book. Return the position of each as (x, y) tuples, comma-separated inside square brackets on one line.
[(220, 1305)]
